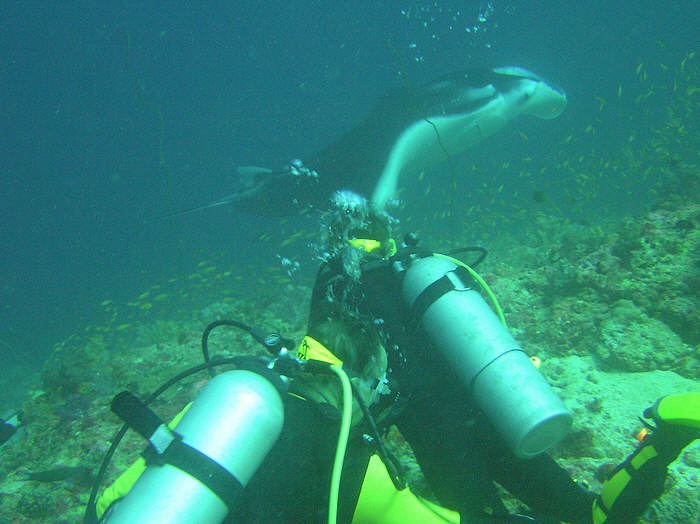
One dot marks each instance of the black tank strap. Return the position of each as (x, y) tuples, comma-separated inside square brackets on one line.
[(458, 278), (167, 447)]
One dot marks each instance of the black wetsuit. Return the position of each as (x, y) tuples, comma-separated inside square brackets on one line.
[(292, 484), (461, 456)]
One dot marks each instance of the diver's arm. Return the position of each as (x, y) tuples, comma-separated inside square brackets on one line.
[(641, 477)]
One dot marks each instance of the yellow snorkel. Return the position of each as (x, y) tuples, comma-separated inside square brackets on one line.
[(311, 349)]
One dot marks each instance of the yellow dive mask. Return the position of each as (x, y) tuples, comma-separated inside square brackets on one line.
[(387, 249)]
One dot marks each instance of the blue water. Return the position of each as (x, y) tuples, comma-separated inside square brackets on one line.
[(115, 114)]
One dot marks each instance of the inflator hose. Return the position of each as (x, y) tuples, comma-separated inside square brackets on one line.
[(205, 338)]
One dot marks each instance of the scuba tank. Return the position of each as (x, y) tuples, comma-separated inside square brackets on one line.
[(225, 434), (529, 416)]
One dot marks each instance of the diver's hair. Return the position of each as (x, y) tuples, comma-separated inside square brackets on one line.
[(361, 352), (351, 216), (359, 348)]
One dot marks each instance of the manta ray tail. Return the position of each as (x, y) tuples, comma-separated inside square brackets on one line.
[(250, 179)]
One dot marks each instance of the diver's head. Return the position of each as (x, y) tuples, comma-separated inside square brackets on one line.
[(361, 354), (353, 229)]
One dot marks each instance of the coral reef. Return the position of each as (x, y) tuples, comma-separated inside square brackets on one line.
[(627, 292)]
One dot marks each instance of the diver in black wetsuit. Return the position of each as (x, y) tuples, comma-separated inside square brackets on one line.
[(456, 443)]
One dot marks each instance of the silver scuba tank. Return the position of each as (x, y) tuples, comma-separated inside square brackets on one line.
[(503, 381), (235, 420)]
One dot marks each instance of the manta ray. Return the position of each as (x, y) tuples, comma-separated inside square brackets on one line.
[(408, 130)]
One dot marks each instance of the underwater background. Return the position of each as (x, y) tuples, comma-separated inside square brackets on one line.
[(116, 115)]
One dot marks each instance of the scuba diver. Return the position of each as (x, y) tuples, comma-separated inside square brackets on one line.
[(401, 336), (467, 400)]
